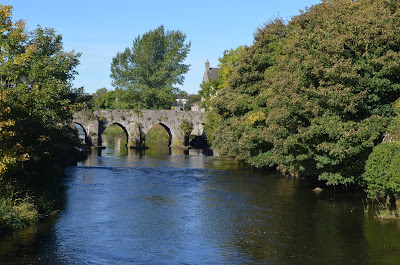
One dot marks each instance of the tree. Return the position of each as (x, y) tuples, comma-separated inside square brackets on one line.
[(381, 174), (148, 72), (212, 89), (314, 96), (104, 99), (243, 81), (381, 177), (37, 101), (227, 63)]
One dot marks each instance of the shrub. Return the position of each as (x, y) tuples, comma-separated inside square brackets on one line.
[(381, 176), (17, 213), (186, 127)]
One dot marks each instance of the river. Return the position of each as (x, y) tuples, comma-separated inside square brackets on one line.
[(173, 206)]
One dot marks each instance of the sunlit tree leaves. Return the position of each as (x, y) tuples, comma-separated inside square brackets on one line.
[(146, 75), (325, 82)]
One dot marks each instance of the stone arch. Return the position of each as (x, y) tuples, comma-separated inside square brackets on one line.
[(121, 126), (86, 139), (166, 128)]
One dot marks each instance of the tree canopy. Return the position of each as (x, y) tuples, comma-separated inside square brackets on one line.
[(104, 99), (313, 96), (146, 75)]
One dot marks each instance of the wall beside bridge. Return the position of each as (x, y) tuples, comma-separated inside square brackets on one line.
[(136, 124)]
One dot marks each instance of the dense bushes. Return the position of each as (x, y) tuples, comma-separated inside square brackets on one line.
[(382, 171)]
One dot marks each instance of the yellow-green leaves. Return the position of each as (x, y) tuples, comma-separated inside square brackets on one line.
[(256, 117), (36, 101)]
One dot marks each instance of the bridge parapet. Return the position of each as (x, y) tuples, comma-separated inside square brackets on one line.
[(137, 123)]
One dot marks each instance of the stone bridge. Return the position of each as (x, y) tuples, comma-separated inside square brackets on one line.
[(136, 124)]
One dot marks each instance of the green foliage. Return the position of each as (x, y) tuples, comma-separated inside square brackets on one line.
[(186, 127), (313, 96), (114, 130), (157, 135), (17, 213), (211, 125), (191, 99), (36, 102), (144, 75), (194, 98), (227, 64), (382, 169), (381, 177), (393, 131), (209, 89), (105, 99)]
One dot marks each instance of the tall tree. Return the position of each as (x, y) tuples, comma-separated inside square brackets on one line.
[(146, 74), (212, 89), (36, 102), (314, 96), (104, 99)]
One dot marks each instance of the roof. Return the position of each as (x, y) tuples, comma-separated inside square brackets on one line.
[(211, 74)]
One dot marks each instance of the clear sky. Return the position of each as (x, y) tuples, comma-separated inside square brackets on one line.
[(99, 29)]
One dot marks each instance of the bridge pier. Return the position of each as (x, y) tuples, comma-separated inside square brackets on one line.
[(136, 138), (93, 130), (177, 141)]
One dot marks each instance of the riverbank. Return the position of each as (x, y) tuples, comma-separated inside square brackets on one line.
[(39, 200)]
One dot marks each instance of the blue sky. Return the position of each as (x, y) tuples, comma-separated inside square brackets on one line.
[(99, 29)]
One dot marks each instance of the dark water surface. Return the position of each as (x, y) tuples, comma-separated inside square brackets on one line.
[(167, 207)]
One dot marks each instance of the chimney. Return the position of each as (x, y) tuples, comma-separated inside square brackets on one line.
[(207, 65)]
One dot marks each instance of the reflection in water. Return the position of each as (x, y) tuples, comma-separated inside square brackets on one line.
[(115, 146), (117, 154), (175, 206)]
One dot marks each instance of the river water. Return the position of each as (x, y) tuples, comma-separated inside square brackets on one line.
[(171, 206)]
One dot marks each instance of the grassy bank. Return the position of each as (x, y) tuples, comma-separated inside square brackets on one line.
[(157, 135), (42, 196), (17, 213), (114, 130)]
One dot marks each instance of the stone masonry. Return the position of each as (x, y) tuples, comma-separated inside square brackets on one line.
[(136, 124)]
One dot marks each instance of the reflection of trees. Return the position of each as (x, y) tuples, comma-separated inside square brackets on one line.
[(23, 241), (382, 237), (156, 150), (267, 219), (275, 220), (26, 245), (115, 146)]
